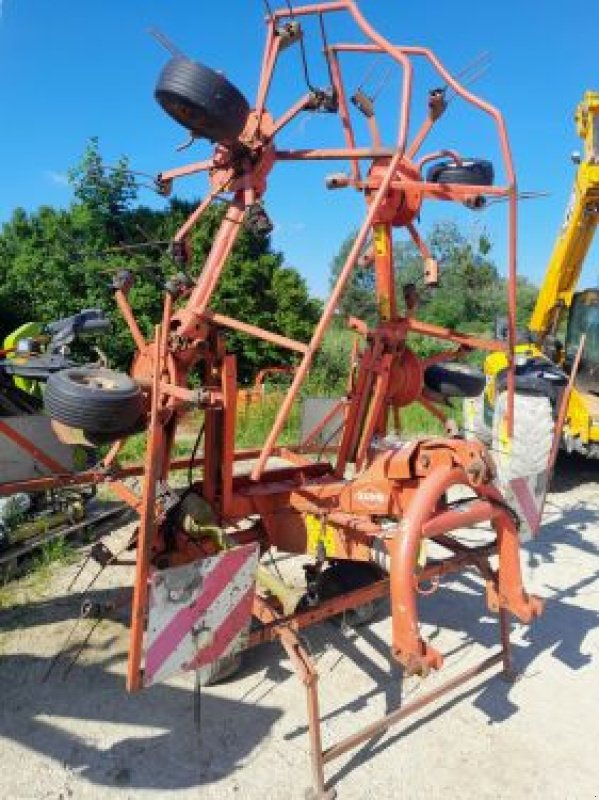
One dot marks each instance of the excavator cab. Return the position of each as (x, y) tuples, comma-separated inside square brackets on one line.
[(583, 318)]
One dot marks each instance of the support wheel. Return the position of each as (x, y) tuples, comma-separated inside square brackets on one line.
[(99, 401), (202, 100), (471, 172), (348, 576), (454, 380)]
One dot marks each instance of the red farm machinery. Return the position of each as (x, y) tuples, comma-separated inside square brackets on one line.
[(200, 594)]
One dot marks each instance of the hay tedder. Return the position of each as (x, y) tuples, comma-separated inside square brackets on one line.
[(362, 513)]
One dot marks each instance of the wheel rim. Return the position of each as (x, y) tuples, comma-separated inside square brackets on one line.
[(102, 382)]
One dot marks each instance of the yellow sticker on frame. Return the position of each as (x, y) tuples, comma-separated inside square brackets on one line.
[(317, 532), (380, 240)]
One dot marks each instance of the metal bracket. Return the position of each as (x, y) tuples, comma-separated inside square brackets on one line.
[(289, 34), (324, 100), (363, 103)]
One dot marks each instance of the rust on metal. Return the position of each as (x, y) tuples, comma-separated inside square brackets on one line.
[(380, 496)]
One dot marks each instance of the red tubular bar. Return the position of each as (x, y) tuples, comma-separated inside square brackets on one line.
[(473, 513), (383, 725), (408, 647), (134, 329), (116, 474), (190, 222), (338, 154), (188, 169), (424, 131), (451, 191), (154, 447), (419, 241), (403, 548), (224, 241), (316, 8), (464, 339), (291, 114), (271, 53), (432, 409), (438, 154), (398, 55), (253, 330), (348, 130), (323, 323)]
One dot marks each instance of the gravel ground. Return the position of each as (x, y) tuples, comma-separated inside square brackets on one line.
[(78, 734)]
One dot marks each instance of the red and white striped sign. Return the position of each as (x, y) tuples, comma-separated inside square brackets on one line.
[(527, 496), (199, 612)]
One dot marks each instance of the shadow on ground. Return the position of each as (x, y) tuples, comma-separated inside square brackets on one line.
[(169, 753), (460, 608), (572, 471)]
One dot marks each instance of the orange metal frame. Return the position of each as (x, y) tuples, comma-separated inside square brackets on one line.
[(407, 483)]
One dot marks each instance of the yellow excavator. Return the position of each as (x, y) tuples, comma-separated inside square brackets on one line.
[(546, 350)]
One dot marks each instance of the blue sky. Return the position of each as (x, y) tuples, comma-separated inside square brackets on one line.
[(69, 71)]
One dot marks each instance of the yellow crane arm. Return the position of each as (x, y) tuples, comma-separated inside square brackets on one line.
[(576, 235)]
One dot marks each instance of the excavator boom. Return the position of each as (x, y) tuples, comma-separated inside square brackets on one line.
[(575, 237)]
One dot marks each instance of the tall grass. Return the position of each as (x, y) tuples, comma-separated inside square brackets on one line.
[(328, 378)]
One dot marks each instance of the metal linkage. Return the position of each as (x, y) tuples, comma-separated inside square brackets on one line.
[(379, 498), (396, 498)]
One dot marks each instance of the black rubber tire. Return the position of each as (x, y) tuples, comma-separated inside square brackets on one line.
[(202, 100), (454, 380), (471, 172), (99, 439), (348, 576), (99, 401)]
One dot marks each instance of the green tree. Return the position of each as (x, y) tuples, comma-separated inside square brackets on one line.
[(257, 287), (54, 262), (358, 298), (470, 295), (106, 194), (470, 290)]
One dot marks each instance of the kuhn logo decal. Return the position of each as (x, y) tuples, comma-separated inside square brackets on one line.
[(371, 497)]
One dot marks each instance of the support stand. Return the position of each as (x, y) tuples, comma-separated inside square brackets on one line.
[(307, 673)]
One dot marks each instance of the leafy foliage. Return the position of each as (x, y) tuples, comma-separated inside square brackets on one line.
[(471, 293), (358, 298), (55, 262), (470, 296), (258, 288)]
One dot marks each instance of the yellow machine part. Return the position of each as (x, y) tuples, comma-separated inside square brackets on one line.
[(319, 536), (497, 362), (323, 537), (582, 420), (576, 234), (29, 330), (562, 274)]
